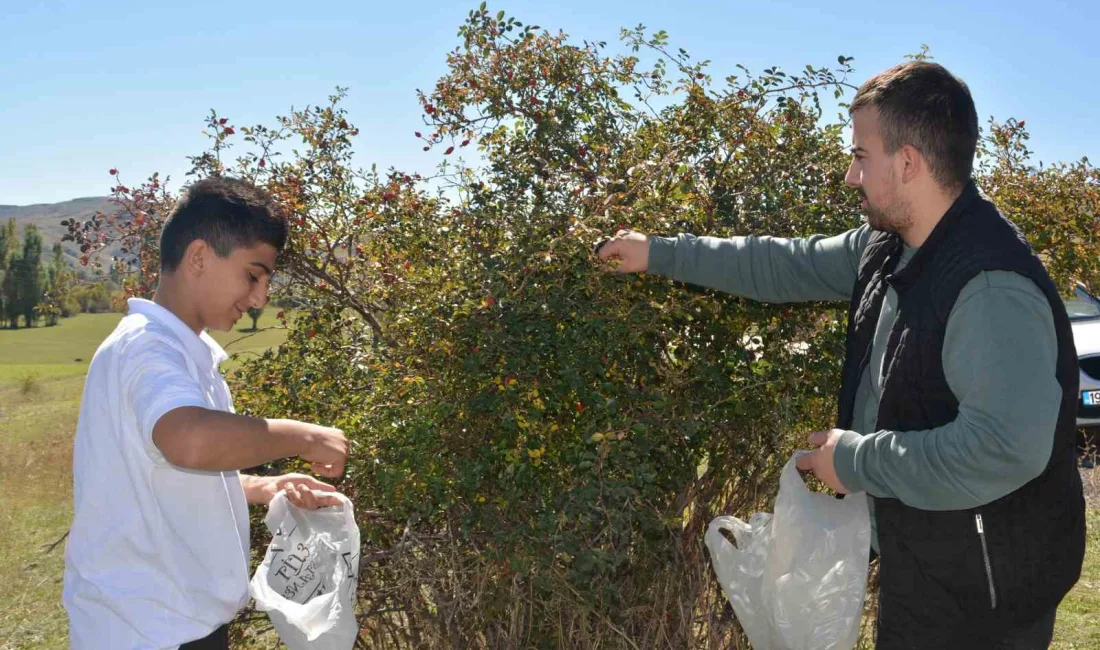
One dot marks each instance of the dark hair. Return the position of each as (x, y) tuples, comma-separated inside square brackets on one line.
[(226, 213), (923, 105)]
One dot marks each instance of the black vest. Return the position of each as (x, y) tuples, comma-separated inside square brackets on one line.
[(1007, 561)]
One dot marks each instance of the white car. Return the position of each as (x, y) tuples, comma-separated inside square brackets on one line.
[(1084, 315)]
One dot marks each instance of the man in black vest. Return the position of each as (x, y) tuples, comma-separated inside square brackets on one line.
[(959, 396)]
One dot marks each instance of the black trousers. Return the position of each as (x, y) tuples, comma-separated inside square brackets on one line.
[(218, 640), (1035, 635), (1027, 635)]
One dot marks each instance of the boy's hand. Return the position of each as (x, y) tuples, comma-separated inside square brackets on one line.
[(630, 248), (303, 491), (306, 492), (326, 448)]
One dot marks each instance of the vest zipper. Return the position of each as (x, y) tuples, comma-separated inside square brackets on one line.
[(988, 566)]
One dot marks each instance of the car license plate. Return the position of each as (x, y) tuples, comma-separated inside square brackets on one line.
[(1091, 397)]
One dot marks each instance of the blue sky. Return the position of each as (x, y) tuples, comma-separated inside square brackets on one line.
[(86, 86)]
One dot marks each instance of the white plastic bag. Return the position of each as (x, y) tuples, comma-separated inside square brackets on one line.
[(308, 578), (796, 579)]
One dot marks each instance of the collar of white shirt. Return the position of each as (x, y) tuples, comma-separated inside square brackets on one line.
[(202, 347)]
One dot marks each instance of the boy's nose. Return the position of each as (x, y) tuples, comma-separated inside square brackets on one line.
[(258, 298)]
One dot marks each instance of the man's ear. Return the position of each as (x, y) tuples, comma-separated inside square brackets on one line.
[(197, 257), (912, 163)]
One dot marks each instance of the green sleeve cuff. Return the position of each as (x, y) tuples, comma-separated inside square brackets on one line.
[(844, 461), (662, 256)]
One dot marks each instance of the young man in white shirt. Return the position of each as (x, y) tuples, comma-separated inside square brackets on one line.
[(157, 556)]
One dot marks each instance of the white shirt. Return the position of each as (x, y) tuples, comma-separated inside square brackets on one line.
[(157, 554)]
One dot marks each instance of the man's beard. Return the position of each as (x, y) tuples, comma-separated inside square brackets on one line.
[(894, 218)]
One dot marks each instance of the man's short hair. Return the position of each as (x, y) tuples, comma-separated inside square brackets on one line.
[(923, 105)]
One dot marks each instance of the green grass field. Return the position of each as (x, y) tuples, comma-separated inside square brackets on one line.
[(67, 349), (41, 380)]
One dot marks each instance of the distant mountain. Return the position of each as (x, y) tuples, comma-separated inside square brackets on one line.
[(48, 218)]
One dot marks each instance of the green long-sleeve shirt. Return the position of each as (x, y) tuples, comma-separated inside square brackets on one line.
[(999, 358)]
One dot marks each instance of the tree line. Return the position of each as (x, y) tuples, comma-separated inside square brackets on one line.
[(37, 286)]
